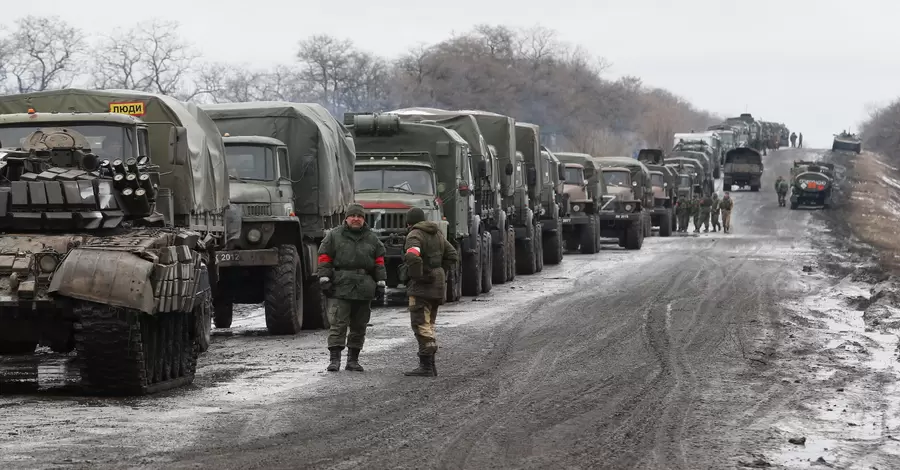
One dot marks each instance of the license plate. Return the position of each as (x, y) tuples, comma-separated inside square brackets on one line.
[(566, 221), (228, 257), (622, 216)]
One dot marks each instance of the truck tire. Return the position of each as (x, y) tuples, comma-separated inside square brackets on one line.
[(471, 270), (539, 247), (665, 224), (315, 307), (500, 260), (716, 174), (648, 226), (553, 248), (454, 283), (589, 237), (634, 236), (223, 308), (754, 188), (511, 254), (526, 261), (487, 263), (283, 293)]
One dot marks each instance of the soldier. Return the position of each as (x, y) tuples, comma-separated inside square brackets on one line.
[(714, 212), (428, 257), (781, 187), (705, 209), (695, 212), (351, 272), (793, 139), (800, 141), (681, 213), (726, 205)]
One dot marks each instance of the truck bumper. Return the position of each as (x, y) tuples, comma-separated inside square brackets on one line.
[(575, 220), (230, 258)]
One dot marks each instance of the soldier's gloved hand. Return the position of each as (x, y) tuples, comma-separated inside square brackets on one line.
[(325, 286), (380, 287)]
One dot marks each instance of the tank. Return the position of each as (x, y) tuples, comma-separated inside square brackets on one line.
[(109, 224), (847, 142)]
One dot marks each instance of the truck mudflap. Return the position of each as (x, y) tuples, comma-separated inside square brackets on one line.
[(263, 257)]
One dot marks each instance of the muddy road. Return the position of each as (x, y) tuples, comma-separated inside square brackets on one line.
[(678, 356)]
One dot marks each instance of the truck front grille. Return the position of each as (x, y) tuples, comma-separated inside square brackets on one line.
[(386, 220), (256, 209)]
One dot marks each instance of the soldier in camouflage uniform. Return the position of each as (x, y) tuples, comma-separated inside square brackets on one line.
[(706, 204), (726, 205), (695, 212), (681, 214), (428, 256), (351, 272), (714, 212)]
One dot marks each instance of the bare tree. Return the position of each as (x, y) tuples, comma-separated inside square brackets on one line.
[(151, 57), (227, 83), (44, 54)]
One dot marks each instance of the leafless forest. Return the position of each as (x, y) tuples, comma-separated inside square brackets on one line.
[(881, 131), (529, 74)]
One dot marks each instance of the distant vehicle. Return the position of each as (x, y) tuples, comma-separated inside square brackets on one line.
[(743, 167), (812, 183), (847, 141)]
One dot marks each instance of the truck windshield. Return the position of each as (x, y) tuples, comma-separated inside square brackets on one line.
[(574, 176), (250, 162), (617, 178), (685, 181), (107, 141), (401, 180), (656, 180)]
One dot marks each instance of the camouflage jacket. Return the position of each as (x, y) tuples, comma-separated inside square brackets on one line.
[(427, 255), (695, 206), (781, 186), (727, 204), (354, 261), (716, 202), (706, 204), (682, 206)]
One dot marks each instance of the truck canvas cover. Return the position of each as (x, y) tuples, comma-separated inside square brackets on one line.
[(321, 149), (207, 176)]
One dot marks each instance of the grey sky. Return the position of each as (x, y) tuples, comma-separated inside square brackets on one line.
[(813, 65)]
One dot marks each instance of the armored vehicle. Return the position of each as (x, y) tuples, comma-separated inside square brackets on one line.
[(113, 204), (628, 217), (543, 194), (290, 195), (743, 167), (556, 174), (664, 181), (847, 141), (585, 191), (400, 165), (812, 183)]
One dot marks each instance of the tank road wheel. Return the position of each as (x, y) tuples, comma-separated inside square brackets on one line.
[(589, 237), (499, 268), (553, 248), (539, 247), (454, 283), (315, 307), (487, 263), (126, 352), (17, 347), (472, 270), (203, 312), (284, 293), (634, 235), (665, 224), (511, 254), (526, 261)]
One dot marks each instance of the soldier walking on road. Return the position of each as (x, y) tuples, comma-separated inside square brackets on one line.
[(695, 212), (682, 213), (800, 141), (714, 212), (351, 272), (793, 139), (428, 257), (726, 205), (781, 187), (705, 210)]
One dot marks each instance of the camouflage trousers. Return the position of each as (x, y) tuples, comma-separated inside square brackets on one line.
[(350, 315), (422, 314), (697, 221), (726, 220), (714, 220), (704, 219), (684, 219)]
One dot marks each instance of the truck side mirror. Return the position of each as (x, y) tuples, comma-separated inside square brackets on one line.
[(509, 169), (532, 176), (562, 171), (178, 146)]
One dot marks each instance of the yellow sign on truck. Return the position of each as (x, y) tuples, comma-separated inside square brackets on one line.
[(135, 108)]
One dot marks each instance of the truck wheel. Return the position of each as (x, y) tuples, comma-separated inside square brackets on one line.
[(716, 174), (17, 347), (223, 309), (499, 267), (665, 224), (794, 205), (674, 225), (526, 261), (487, 263), (511, 254), (634, 236), (553, 248), (471, 275), (589, 237), (454, 284), (597, 235), (315, 307), (648, 227), (539, 247), (284, 293), (754, 188)]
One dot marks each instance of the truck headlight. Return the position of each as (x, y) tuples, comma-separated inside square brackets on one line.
[(629, 207), (48, 263), (254, 235), (288, 208), (576, 208)]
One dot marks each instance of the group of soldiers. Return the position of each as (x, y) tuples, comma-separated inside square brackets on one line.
[(705, 211), (794, 142), (351, 274)]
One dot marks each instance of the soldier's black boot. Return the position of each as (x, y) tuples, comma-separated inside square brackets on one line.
[(353, 360), (433, 367), (425, 369), (335, 364)]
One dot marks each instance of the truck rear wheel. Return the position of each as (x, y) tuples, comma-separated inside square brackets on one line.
[(487, 263), (526, 261), (284, 293), (665, 224), (454, 283), (223, 308), (510, 254), (472, 271), (499, 266), (553, 248), (539, 247), (589, 244), (634, 235)]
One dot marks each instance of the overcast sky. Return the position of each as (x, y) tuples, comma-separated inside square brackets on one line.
[(813, 64)]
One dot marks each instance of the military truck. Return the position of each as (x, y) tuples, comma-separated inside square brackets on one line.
[(755, 140), (664, 181), (585, 191), (285, 218), (704, 167), (113, 204), (628, 217), (847, 141), (556, 174), (688, 180), (708, 143), (812, 184), (400, 165), (543, 194), (743, 167), (728, 137)]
